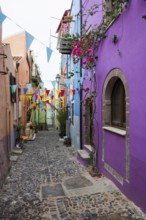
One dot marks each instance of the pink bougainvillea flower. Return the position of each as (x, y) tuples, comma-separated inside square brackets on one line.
[(87, 89), (91, 59), (88, 50), (79, 52), (74, 51), (84, 62)]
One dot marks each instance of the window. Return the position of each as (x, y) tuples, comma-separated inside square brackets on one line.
[(118, 105), (12, 81)]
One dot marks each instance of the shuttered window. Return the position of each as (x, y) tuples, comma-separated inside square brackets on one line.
[(12, 80)]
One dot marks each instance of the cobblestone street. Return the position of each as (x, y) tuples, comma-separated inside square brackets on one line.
[(47, 183)]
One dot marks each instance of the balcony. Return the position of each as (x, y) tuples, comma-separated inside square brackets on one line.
[(64, 45), (67, 19)]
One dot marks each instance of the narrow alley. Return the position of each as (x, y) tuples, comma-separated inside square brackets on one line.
[(47, 182)]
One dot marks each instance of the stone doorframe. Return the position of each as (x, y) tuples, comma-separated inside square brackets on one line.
[(106, 116), (87, 121)]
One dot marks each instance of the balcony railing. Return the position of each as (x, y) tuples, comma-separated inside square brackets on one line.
[(65, 45)]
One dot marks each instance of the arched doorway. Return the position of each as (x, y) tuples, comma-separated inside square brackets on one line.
[(88, 121)]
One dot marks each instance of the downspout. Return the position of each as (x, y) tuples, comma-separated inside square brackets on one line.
[(81, 76)]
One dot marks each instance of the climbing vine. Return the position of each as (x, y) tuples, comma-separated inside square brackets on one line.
[(84, 49)]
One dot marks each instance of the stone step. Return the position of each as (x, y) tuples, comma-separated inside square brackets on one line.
[(16, 151), (83, 154), (83, 157), (13, 158), (88, 148)]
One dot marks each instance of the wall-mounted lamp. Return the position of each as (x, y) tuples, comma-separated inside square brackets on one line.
[(57, 78)]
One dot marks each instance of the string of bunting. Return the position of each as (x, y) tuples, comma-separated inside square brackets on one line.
[(29, 37)]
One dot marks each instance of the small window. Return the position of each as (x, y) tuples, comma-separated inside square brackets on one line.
[(118, 105), (12, 81)]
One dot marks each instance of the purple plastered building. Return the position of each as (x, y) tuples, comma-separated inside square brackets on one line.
[(120, 128)]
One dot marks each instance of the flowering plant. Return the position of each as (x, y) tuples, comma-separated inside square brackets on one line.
[(82, 49)]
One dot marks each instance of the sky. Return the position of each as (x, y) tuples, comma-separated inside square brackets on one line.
[(40, 19)]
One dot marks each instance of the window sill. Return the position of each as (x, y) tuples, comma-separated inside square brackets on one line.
[(115, 130)]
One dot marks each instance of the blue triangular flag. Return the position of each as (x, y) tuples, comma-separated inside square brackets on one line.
[(29, 39), (2, 17), (49, 52), (25, 90), (53, 83), (50, 95)]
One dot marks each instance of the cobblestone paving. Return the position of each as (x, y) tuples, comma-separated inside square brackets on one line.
[(46, 161)]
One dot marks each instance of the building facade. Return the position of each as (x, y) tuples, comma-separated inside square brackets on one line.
[(7, 109), (120, 104)]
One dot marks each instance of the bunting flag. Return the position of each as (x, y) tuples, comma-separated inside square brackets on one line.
[(29, 39), (29, 85), (49, 52), (50, 95), (2, 17), (73, 91), (62, 92), (25, 90), (22, 97), (37, 91), (36, 97), (47, 92), (13, 88), (53, 83), (41, 84), (42, 92), (57, 92), (47, 98)]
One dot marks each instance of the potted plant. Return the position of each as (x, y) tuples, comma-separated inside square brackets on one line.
[(61, 117)]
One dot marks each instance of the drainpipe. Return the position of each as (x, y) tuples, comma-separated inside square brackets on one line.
[(81, 76), (17, 92)]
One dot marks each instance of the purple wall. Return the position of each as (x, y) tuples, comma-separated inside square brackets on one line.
[(130, 29), (114, 144)]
